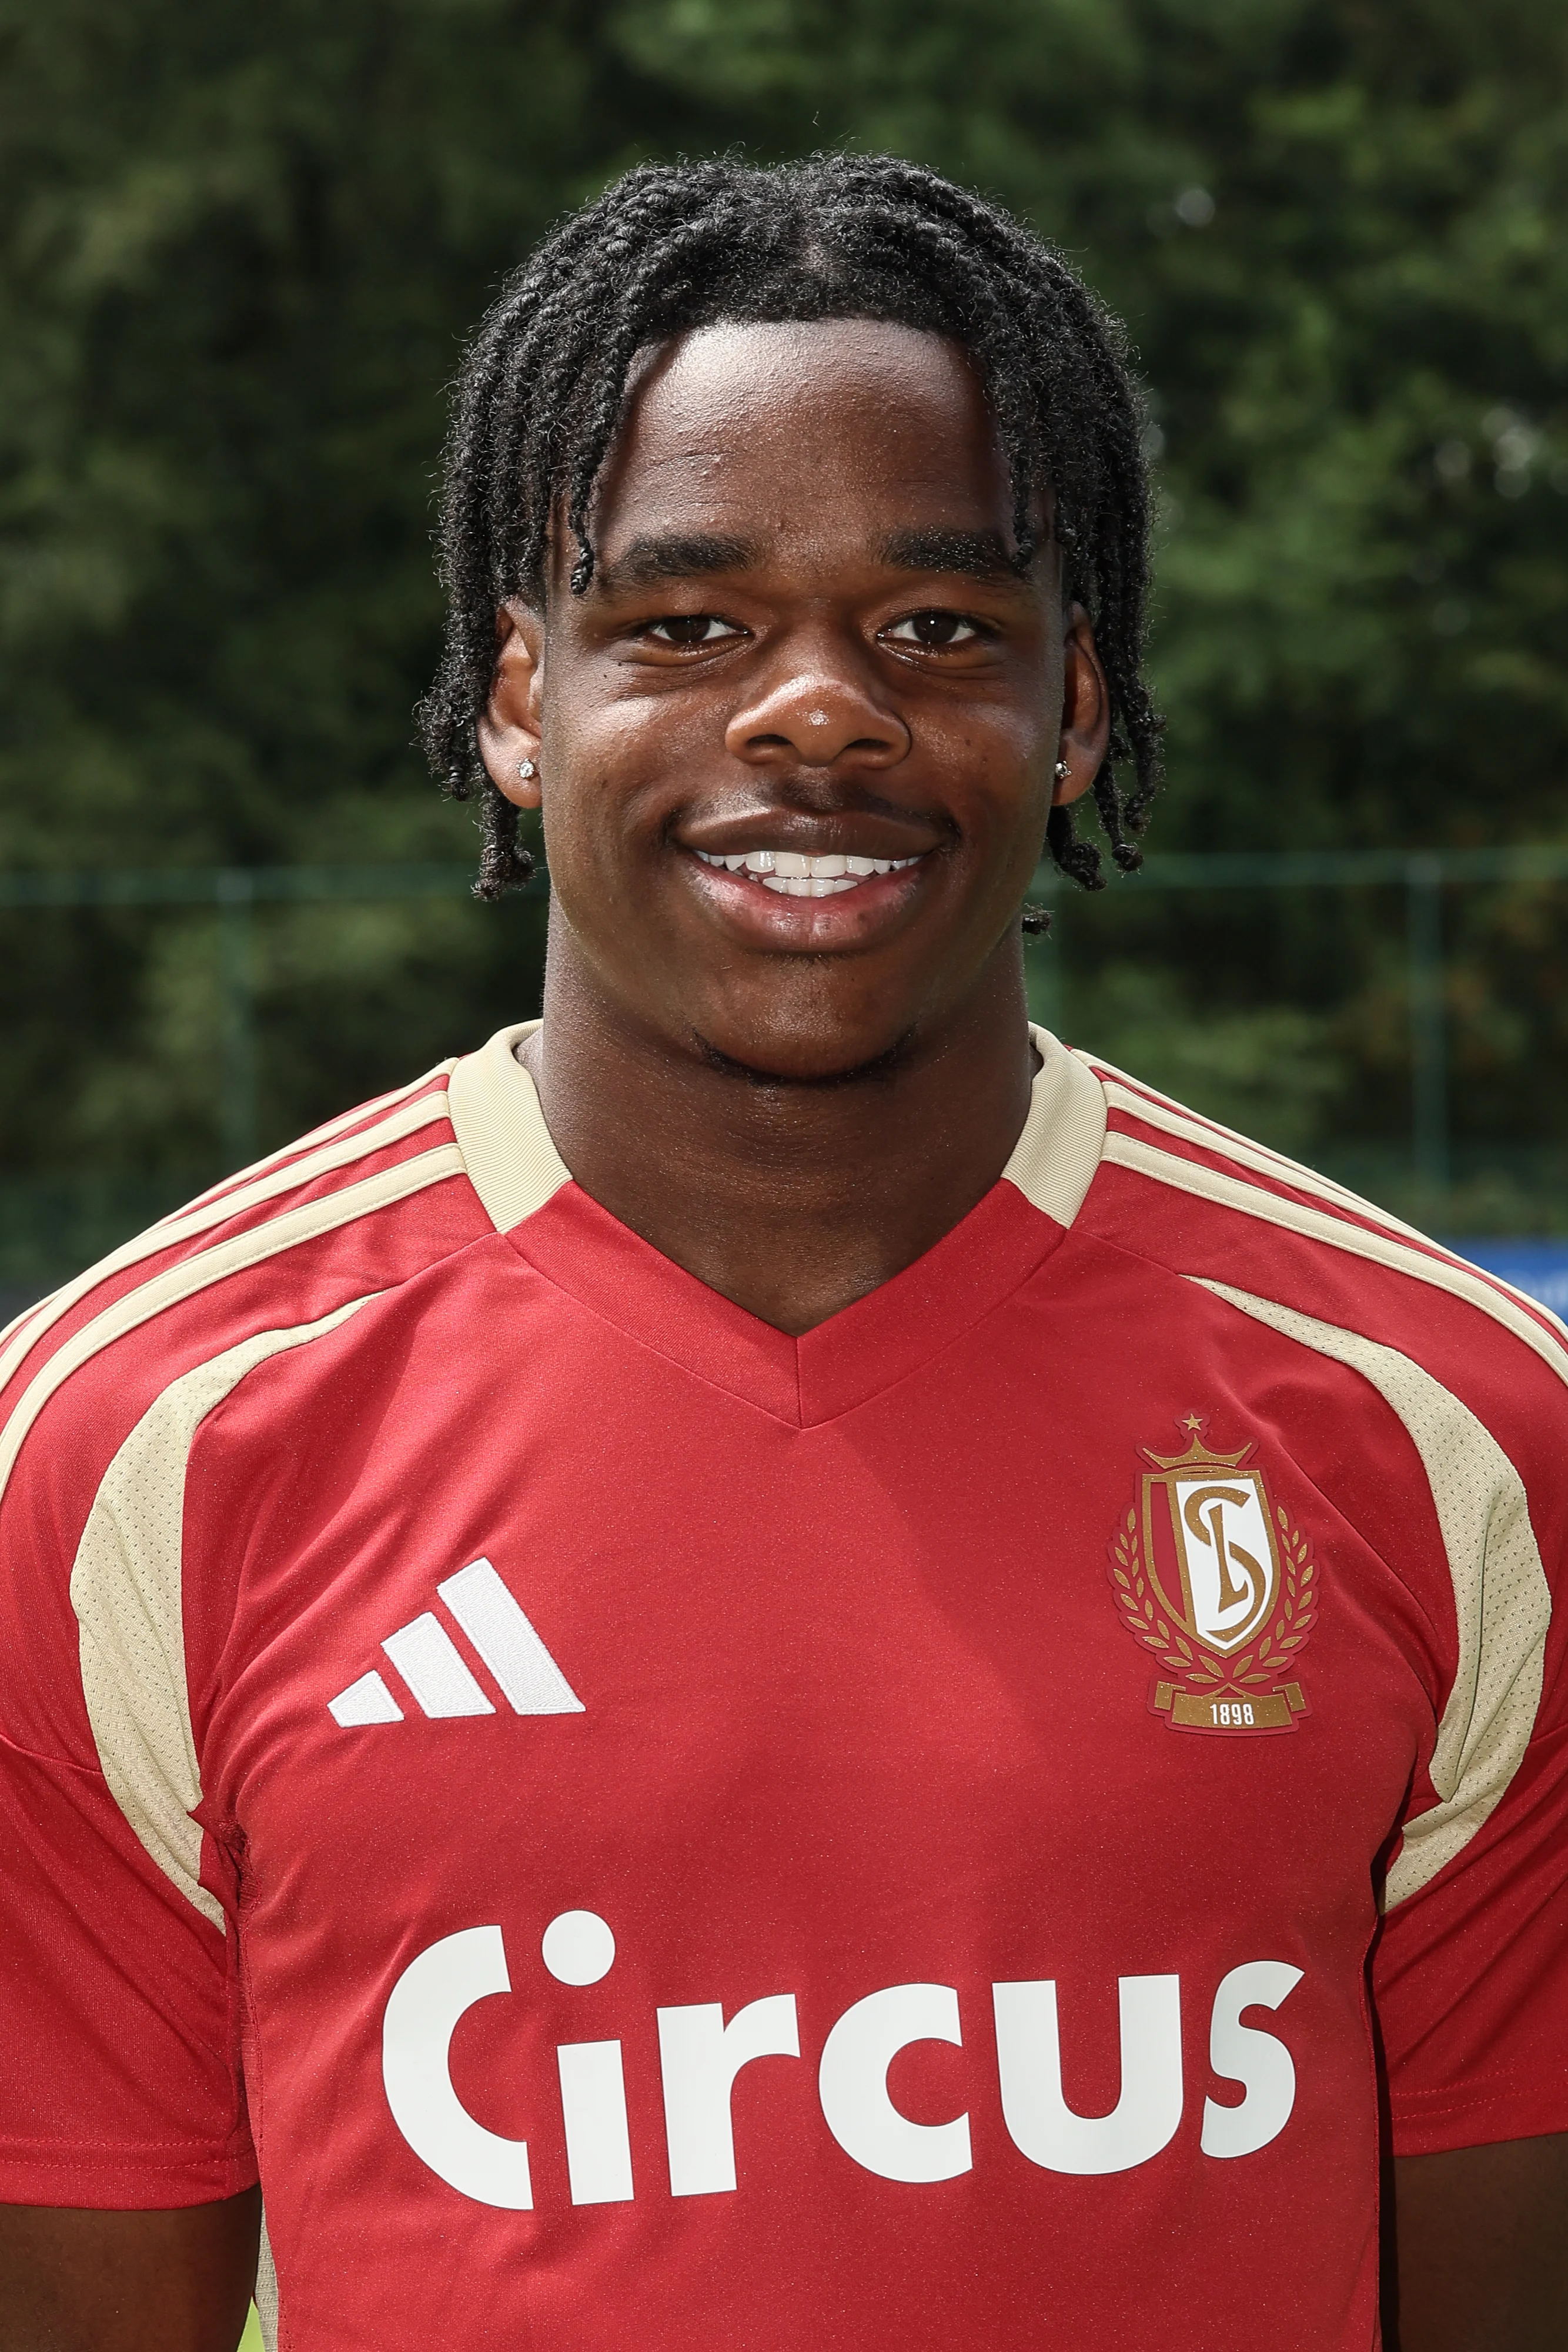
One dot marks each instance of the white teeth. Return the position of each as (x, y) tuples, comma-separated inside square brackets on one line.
[(793, 874)]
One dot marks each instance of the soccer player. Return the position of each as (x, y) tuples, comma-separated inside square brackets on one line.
[(776, 1666)]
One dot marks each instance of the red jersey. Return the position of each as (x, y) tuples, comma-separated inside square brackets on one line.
[(641, 1830)]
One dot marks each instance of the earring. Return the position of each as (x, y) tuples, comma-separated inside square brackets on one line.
[(1063, 772), (527, 770)]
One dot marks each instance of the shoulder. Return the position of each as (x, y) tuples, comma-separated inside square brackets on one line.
[(273, 1256), (1291, 1249), (1409, 1378)]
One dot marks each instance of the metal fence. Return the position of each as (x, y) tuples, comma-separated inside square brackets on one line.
[(236, 891), (1423, 874)]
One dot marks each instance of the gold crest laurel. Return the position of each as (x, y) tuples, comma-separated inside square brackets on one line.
[(1257, 1669)]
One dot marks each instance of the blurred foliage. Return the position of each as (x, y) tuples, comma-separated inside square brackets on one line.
[(1269, 1070), (239, 249)]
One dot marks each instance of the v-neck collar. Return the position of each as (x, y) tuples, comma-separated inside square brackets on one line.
[(864, 1349)]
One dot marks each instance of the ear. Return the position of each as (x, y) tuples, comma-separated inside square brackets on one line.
[(509, 725), (1085, 708)]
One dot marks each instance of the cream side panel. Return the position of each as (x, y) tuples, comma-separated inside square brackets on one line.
[(1054, 1160), (1502, 1599), (267, 2291), (126, 1593)]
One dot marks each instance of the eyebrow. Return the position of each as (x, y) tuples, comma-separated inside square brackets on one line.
[(686, 555), (981, 555), (678, 555)]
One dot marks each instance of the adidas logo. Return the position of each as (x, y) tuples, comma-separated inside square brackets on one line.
[(429, 1661)]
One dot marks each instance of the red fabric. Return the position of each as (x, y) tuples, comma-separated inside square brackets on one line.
[(859, 1711)]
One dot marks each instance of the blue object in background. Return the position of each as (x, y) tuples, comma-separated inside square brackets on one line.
[(1539, 1267)]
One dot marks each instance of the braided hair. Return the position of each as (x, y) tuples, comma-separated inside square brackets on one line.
[(670, 247)]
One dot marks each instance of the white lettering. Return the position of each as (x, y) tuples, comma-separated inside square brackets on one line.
[(699, 2057), (427, 2001), (853, 2082), (1029, 2055), (1245, 2054), (577, 1948), (594, 2107)]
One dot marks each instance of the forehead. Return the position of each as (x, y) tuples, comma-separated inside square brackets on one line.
[(840, 428)]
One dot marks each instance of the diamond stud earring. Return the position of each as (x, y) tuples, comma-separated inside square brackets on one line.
[(527, 770), (1063, 772)]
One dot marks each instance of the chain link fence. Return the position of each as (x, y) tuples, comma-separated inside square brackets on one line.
[(52, 1220)]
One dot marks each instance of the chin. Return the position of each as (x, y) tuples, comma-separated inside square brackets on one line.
[(764, 1060)]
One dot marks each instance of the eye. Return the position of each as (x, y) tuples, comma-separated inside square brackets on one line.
[(685, 630), (936, 631)]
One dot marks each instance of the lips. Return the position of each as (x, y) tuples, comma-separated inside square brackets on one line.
[(790, 874)]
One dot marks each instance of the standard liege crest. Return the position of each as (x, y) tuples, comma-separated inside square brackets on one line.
[(1210, 1575)]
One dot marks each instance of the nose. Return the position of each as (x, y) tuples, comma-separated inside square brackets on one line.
[(815, 714)]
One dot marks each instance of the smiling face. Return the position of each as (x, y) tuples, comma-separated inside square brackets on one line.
[(797, 743)]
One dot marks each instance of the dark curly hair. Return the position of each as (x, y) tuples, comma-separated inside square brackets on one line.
[(674, 246)]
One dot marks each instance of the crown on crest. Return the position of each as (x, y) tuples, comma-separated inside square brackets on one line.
[(1200, 1454)]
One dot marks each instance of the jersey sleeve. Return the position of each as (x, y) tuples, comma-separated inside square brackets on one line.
[(120, 2074), (1471, 1968), (120, 2084)]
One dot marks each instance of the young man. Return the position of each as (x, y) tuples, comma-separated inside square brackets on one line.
[(775, 1666)]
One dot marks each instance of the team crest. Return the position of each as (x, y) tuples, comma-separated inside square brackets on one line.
[(1212, 1577)]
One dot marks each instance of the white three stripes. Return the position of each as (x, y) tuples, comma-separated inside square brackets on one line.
[(426, 1657), (508, 1642), (430, 1662)]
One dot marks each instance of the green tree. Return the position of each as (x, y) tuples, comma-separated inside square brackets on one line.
[(240, 250), (1338, 235)]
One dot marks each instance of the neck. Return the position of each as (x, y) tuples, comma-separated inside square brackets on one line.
[(793, 1200)]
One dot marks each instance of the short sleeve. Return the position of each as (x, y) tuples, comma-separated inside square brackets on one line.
[(1471, 1968), (118, 2077), (120, 2084)]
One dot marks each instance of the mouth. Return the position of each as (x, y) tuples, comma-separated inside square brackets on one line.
[(790, 874)]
